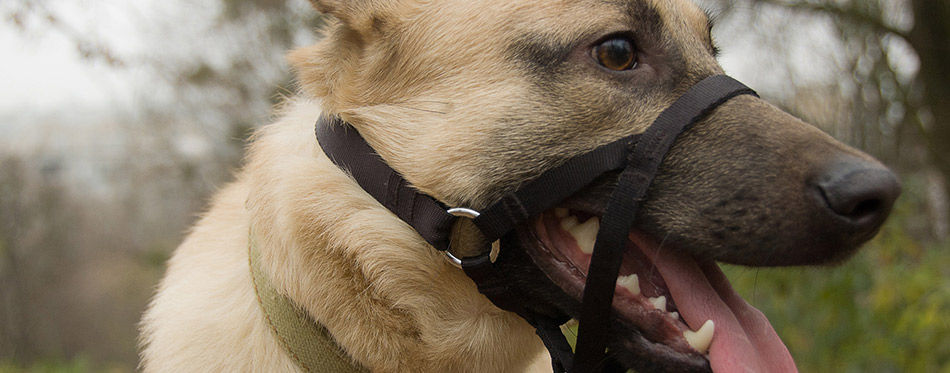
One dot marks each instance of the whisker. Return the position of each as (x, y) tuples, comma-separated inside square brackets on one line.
[(431, 111), (432, 102), (427, 110), (657, 253)]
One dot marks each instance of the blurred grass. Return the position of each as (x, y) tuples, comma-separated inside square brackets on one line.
[(79, 364), (886, 310)]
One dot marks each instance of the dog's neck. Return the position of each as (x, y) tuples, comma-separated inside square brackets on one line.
[(352, 267)]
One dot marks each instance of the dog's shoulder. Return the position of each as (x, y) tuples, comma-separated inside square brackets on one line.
[(204, 316)]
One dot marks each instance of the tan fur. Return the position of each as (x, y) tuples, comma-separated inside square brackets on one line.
[(389, 299), (205, 315), (433, 120), (426, 83)]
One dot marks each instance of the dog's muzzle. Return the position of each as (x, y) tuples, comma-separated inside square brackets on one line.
[(637, 158)]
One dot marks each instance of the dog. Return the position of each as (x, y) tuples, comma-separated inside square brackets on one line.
[(467, 101)]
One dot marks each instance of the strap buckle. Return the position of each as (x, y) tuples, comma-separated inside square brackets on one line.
[(460, 212)]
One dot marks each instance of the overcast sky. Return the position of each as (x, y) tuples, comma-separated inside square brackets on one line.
[(45, 72), (43, 69)]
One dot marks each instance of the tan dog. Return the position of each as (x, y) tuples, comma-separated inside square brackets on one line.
[(468, 100)]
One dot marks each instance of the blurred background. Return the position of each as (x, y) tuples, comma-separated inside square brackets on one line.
[(118, 120)]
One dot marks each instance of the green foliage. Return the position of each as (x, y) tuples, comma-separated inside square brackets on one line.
[(886, 310), (79, 364), (3, 252)]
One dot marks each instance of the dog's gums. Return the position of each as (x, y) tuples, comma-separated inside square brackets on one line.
[(670, 302)]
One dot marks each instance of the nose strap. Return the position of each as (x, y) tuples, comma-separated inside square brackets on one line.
[(639, 156), (624, 203)]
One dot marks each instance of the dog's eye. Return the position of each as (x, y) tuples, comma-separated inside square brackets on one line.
[(616, 54)]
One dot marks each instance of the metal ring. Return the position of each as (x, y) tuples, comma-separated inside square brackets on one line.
[(460, 212), (463, 212), (452, 259)]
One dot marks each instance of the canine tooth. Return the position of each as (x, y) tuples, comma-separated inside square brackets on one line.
[(568, 222), (631, 282), (701, 338), (561, 213), (659, 302), (585, 234), (675, 315)]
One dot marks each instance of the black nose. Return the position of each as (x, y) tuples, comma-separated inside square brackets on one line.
[(859, 192)]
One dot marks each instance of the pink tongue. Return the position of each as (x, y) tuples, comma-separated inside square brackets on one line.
[(744, 341)]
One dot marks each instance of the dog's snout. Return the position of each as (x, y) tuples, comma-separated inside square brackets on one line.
[(859, 192)]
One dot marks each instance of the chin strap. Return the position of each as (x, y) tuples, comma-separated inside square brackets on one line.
[(495, 287), (638, 156)]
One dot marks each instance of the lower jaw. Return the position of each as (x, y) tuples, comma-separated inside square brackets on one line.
[(634, 317)]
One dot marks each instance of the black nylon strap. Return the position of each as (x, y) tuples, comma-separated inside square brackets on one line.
[(552, 187), (641, 154), (490, 283), (549, 330), (349, 151), (624, 203)]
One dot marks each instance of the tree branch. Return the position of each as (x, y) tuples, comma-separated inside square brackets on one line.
[(852, 14)]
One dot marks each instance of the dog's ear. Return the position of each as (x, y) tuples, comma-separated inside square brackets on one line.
[(358, 14), (326, 70)]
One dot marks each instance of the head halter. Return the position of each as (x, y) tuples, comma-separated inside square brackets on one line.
[(637, 157)]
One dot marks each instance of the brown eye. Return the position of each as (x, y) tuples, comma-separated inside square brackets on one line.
[(616, 54)]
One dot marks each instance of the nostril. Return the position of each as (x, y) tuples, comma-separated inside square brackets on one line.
[(848, 201), (865, 208), (859, 191)]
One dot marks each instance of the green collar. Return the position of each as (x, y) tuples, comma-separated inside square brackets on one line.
[(306, 341)]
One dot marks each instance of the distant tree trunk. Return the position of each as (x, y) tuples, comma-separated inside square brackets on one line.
[(930, 37)]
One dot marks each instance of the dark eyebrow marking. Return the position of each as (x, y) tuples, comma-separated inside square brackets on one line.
[(540, 54), (646, 18)]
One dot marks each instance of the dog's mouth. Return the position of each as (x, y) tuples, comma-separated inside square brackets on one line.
[(672, 312)]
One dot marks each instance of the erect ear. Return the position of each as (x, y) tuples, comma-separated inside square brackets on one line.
[(358, 14)]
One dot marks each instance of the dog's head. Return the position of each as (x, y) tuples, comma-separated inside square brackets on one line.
[(468, 100)]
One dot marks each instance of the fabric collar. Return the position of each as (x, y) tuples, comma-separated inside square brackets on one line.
[(307, 342)]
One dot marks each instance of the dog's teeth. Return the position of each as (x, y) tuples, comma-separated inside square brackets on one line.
[(659, 302), (569, 222), (585, 234), (560, 213), (631, 282), (701, 338), (675, 315)]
